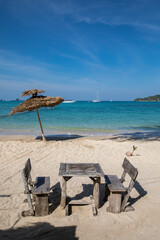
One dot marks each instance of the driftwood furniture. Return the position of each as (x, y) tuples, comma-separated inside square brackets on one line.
[(91, 170), (115, 188), (37, 192)]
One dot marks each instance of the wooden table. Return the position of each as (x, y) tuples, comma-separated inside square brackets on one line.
[(91, 170)]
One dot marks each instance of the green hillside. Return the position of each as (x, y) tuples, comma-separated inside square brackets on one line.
[(155, 98)]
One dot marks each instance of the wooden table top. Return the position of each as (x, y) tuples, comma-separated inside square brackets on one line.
[(80, 169)]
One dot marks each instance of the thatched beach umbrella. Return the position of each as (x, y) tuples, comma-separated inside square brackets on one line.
[(36, 102)]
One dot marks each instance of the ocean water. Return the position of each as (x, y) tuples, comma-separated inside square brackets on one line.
[(82, 117)]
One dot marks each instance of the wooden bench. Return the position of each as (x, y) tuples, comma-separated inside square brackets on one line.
[(79, 203), (37, 192), (115, 188)]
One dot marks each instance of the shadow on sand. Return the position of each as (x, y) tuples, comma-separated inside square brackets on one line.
[(39, 231), (87, 192), (141, 192), (54, 197), (147, 136), (59, 137)]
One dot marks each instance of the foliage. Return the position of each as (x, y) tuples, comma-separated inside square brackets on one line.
[(155, 98), (129, 154), (134, 148)]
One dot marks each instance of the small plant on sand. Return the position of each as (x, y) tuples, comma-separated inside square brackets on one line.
[(128, 154)]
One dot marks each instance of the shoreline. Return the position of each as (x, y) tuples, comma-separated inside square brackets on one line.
[(130, 135)]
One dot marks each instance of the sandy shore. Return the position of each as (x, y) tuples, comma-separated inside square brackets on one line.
[(143, 223)]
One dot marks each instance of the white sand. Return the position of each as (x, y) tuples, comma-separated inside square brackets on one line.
[(143, 223)]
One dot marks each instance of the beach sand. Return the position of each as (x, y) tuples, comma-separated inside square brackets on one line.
[(143, 223)]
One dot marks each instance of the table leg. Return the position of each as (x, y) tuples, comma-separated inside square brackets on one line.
[(96, 191), (63, 192)]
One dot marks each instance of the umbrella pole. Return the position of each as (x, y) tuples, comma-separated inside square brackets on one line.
[(40, 125)]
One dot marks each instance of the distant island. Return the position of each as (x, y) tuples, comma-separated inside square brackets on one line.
[(155, 98)]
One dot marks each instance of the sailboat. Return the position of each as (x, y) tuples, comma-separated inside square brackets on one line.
[(97, 99), (69, 101)]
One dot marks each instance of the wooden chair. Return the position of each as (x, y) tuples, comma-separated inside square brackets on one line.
[(115, 188), (37, 192)]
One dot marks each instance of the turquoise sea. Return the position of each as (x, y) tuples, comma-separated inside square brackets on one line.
[(82, 117)]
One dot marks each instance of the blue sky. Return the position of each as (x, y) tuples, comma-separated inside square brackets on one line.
[(74, 48)]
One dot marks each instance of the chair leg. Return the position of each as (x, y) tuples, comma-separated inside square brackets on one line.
[(41, 205), (125, 200), (114, 202), (129, 209), (27, 213), (67, 209)]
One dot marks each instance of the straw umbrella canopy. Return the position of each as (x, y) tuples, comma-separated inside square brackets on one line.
[(36, 102)]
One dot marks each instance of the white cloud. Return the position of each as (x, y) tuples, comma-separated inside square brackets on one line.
[(18, 75), (142, 14)]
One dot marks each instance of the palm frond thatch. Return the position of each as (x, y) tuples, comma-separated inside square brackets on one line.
[(35, 103), (32, 92)]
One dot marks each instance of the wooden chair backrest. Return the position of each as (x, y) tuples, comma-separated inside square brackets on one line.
[(27, 169), (132, 172), (129, 169), (26, 179)]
